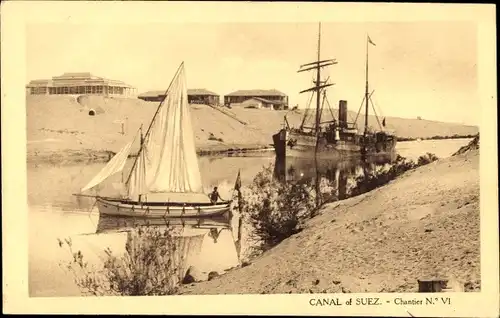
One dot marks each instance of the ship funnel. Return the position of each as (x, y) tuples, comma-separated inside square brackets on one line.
[(343, 113)]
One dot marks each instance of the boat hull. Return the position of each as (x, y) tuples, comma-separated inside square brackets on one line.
[(304, 146), (119, 207)]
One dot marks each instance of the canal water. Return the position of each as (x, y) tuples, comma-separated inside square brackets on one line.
[(55, 213)]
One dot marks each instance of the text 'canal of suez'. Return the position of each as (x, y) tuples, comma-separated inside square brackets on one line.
[(374, 301)]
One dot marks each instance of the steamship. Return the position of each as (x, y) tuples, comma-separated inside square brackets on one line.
[(333, 139)]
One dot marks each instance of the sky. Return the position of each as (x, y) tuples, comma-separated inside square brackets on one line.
[(426, 69)]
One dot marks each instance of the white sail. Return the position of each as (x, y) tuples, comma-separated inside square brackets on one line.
[(137, 183), (115, 165), (171, 163)]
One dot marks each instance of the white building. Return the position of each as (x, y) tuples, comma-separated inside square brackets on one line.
[(80, 84)]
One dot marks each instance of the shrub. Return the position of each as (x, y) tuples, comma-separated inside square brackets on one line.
[(426, 159), (370, 180), (148, 268), (473, 144), (275, 210)]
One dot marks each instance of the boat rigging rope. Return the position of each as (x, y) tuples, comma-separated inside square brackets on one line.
[(322, 106), (362, 102), (359, 110), (376, 117), (306, 112), (379, 109), (330, 108)]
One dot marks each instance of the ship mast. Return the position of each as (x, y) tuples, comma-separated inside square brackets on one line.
[(366, 92), (318, 87), (318, 84), (318, 81)]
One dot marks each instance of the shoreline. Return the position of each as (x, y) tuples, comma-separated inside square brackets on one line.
[(405, 139), (91, 155), (69, 156)]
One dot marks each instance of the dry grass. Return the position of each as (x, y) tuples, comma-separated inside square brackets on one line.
[(381, 241)]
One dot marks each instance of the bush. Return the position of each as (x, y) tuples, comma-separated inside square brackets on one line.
[(150, 266), (380, 176), (472, 145), (275, 210), (426, 159)]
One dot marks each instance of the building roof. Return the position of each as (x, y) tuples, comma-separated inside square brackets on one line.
[(267, 101), (73, 75), (152, 94), (201, 91), (72, 79), (256, 92), (195, 91), (39, 83)]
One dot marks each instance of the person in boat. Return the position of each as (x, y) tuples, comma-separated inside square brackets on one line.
[(215, 196)]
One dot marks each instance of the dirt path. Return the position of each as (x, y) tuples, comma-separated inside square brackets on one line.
[(423, 224)]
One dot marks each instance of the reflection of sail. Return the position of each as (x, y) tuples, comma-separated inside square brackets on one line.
[(187, 249), (182, 251)]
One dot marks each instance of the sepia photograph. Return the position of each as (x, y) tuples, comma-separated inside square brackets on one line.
[(314, 157)]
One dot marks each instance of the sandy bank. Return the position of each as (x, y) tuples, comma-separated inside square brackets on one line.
[(60, 126), (90, 155), (423, 224)]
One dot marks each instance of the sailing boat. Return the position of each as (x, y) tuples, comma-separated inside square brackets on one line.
[(334, 139), (165, 179)]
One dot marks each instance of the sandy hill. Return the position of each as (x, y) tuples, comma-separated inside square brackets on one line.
[(381, 241), (63, 122)]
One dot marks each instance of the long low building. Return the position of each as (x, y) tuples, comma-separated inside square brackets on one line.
[(258, 98), (195, 96), (79, 84)]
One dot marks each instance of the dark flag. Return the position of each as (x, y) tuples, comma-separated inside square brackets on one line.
[(371, 42), (383, 122), (237, 185)]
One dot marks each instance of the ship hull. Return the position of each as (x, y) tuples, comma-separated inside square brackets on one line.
[(119, 207), (304, 146)]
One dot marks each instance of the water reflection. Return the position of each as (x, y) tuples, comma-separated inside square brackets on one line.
[(336, 172), (192, 236), (113, 224)]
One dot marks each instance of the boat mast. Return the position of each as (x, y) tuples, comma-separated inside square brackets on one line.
[(318, 83), (142, 143), (142, 136), (151, 124), (366, 91)]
